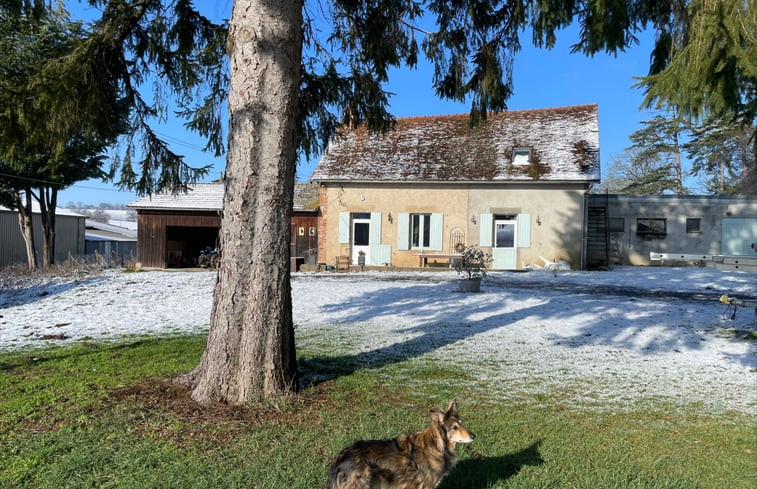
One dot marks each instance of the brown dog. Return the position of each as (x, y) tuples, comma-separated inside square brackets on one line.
[(418, 461)]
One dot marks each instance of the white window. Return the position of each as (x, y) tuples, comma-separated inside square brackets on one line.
[(521, 155), (420, 231)]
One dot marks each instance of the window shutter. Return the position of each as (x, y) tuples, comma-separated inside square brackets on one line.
[(437, 232), (375, 236), (486, 222), (344, 227), (380, 255), (523, 222), (403, 231)]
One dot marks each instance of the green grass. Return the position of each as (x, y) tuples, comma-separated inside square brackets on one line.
[(105, 415)]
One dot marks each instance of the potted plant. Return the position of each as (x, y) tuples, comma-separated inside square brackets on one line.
[(472, 266)]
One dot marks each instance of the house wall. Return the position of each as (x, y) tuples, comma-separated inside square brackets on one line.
[(69, 238), (557, 235), (628, 247)]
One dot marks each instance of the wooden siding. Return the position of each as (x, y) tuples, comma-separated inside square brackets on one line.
[(304, 236), (152, 238)]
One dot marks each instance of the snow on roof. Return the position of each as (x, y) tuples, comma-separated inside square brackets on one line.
[(100, 229), (564, 145), (306, 197), (199, 197), (59, 211), (209, 197)]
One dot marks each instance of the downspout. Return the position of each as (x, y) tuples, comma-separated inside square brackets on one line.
[(584, 233)]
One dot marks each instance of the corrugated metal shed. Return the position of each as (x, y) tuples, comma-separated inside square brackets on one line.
[(69, 236)]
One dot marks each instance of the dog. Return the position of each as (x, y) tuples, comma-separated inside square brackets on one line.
[(417, 461)]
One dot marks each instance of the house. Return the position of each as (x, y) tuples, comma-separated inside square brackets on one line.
[(117, 244), (172, 230), (705, 225), (69, 236), (516, 186)]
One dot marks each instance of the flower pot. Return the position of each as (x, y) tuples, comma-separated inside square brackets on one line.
[(469, 284)]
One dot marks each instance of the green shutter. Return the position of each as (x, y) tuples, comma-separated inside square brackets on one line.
[(375, 230), (523, 221), (487, 228), (437, 232), (380, 255), (344, 227), (403, 231)]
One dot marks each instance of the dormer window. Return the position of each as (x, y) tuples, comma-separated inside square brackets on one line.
[(522, 155)]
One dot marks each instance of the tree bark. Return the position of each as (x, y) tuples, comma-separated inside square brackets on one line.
[(250, 352), (48, 199), (26, 223)]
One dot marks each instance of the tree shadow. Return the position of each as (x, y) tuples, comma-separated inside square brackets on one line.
[(424, 317), (482, 472), (33, 292)]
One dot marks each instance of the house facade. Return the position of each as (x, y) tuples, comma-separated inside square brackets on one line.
[(516, 186)]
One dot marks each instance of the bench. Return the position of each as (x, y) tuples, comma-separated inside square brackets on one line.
[(449, 257)]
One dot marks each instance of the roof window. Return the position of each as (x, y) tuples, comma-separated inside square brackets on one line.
[(522, 155)]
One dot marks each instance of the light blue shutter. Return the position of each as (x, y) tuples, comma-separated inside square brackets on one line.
[(437, 232), (375, 230), (380, 254), (403, 231), (344, 227), (523, 221), (487, 228)]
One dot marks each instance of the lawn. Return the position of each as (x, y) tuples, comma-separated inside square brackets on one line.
[(107, 415)]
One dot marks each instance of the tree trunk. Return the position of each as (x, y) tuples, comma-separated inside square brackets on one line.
[(47, 205), (250, 352), (26, 224)]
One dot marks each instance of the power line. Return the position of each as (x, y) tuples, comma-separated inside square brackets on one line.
[(47, 182)]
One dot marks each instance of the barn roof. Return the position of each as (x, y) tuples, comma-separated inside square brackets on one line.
[(564, 144), (199, 197), (209, 197)]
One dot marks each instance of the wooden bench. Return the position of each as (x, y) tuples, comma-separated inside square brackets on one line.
[(449, 257)]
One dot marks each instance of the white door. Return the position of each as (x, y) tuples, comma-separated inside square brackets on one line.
[(361, 238), (504, 252)]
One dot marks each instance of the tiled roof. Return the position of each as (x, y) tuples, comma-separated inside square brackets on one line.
[(199, 197), (564, 143), (306, 197), (209, 197)]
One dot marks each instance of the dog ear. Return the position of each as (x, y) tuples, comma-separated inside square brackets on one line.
[(437, 417), (452, 409)]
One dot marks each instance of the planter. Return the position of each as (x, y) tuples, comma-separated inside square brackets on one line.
[(469, 284)]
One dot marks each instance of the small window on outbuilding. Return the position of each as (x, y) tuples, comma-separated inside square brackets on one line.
[(693, 225), (521, 155), (651, 227), (617, 224)]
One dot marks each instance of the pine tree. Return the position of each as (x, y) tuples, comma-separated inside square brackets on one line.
[(657, 156), (723, 153)]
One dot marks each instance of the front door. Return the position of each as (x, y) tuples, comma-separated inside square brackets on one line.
[(504, 252), (361, 233)]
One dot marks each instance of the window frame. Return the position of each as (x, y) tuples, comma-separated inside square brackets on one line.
[(422, 239), (517, 158), (689, 225), (651, 227)]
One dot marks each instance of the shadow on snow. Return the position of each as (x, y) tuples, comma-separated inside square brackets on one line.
[(437, 316)]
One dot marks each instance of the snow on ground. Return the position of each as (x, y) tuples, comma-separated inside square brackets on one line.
[(603, 338)]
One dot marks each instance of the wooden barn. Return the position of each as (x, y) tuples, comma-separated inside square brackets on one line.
[(173, 230)]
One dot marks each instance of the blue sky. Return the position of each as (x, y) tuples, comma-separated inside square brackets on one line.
[(543, 78)]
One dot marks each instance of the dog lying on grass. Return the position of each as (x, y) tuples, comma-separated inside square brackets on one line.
[(417, 461)]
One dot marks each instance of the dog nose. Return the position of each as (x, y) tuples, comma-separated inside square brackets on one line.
[(472, 436)]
